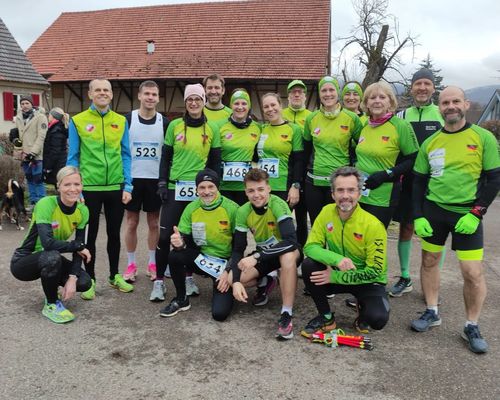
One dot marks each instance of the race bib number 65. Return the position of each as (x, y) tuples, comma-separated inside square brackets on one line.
[(185, 191)]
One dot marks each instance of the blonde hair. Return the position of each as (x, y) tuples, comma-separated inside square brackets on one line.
[(383, 87), (66, 171), (56, 112)]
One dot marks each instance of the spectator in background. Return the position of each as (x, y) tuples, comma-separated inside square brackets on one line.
[(55, 147)]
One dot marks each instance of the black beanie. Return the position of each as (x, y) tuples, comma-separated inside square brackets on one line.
[(26, 97), (423, 73), (207, 174)]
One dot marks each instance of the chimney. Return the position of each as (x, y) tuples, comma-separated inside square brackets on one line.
[(150, 47)]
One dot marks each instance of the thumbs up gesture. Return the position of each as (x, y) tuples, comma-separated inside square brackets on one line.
[(176, 239)]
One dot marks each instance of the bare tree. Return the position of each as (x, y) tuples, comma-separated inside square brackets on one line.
[(379, 43)]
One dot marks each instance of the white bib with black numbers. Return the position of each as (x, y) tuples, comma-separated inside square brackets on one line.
[(145, 146)]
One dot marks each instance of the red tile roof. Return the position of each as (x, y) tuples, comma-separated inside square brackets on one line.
[(256, 39)]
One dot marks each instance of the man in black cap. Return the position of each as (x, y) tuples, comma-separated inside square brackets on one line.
[(31, 124), (202, 243), (425, 118)]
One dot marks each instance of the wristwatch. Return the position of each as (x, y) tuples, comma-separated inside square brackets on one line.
[(478, 211), (390, 173), (256, 256), (296, 185)]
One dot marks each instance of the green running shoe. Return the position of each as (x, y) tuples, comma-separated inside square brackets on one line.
[(57, 313), (119, 283), (89, 294)]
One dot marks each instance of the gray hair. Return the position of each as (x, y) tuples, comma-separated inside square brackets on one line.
[(346, 171)]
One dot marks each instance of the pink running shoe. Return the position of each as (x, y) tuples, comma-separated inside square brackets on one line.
[(130, 273), (151, 271)]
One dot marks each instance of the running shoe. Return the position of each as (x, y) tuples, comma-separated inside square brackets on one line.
[(351, 302), (151, 272), (130, 273), (167, 273), (57, 313), (191, 288), (427, 319), (119, 283), (476, 342), (285, 327), (89, 294), (262, 296), (175, 306), (360, 326), (158, 292), (403, 285), (319, 323)]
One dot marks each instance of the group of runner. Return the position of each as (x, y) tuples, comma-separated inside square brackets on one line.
[(210, 178)]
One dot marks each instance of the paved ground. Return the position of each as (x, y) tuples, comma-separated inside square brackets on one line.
[(118, 347)]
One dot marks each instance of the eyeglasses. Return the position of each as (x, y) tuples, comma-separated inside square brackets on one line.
[(193, 100)]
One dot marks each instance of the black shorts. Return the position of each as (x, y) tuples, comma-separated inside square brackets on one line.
[(443, 222), (383, 214), (265, 267), (404, 211), (144, 195)]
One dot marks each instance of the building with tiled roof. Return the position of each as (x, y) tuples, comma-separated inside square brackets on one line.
[(258, 44), (17, 77)]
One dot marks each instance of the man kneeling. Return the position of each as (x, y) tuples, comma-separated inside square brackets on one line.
[(270, 221), (202, 243), (346, 253)]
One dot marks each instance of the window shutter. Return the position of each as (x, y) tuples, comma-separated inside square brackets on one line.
[(36, 100), (8, 106)]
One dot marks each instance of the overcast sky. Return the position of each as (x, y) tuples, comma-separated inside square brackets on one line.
[(463, 38)]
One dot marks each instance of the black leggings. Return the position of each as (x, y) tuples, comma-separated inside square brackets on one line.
[(113, 212), (316, 198), (179, 261), (383, 214), (170, 215), (372, 298), (53, 270)]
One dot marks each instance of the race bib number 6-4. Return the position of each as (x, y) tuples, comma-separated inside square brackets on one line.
[(145, 150), (213, 266), (185, 191), (235, 171), (271, 166)]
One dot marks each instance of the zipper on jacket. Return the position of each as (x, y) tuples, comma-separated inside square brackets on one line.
[(104, 146)]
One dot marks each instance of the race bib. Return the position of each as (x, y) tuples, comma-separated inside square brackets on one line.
[(266, 244), (199, 233), (213, 266), (365, 192), (145, 151), (436, 162), (185, 191), (235, 171), (271, 166)]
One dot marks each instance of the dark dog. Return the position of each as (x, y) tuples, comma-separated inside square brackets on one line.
[(13, 204)]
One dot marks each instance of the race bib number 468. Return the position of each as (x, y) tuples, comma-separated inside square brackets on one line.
[(235, 171)]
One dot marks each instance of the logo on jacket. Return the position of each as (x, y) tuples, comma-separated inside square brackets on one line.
[(271, 224), (385, 138), (229, 136), (224, 223), (358, 236), (344, 127), (253, 135), (329, 227), (361, 139), (472, 147), (284, 137), (317, 131), (114, 126), (90, 128), (54, 224), (179, 137)]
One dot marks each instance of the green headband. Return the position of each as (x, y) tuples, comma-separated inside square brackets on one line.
[(352, 87), (329, 79), (240, 95)]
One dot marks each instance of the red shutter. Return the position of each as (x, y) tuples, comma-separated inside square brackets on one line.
[(36, 100), (8, 106)]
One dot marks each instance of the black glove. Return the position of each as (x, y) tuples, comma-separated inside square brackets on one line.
[(162, 191), (30, 157), (13, 135), (376, 179)]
